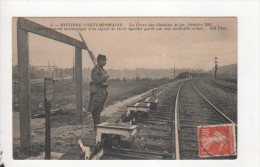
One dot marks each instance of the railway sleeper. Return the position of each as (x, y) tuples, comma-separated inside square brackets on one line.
[(163, 113), (189, 130), (186, 145), (154, 127), (186, 148), (188, 126), (166, 105), (200, 123), (200, 120), (196, 114), (163, 137), (189, 155), (160, 117), (167, 102), (131, 155), (155, 122), (161, 129), (165, 108), (159, 147), (166, 119), (228, 88), (203, 116), (164, 154), (187, 139), (156, 135), (197, 109)]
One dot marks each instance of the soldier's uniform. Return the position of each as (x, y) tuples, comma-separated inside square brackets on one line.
[(99, 96)]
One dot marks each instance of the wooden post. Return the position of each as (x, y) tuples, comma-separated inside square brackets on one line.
[(24, 88), (78, 70)]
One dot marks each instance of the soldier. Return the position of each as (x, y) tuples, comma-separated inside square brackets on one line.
[(98, 89)]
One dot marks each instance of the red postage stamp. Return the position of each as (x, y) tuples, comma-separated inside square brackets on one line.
[(216, 140)]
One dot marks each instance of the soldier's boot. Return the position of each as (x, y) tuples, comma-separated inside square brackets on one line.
[(97, 121), (95, 128)]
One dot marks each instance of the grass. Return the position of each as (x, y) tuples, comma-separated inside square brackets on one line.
[(22, 153), (124, 89), (66, 92), (228, 78)]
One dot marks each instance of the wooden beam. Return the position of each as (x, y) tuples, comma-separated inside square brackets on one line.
[(78, 71), (36, 28), (24, 88)]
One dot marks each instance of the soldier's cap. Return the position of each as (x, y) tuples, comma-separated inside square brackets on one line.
[(101, 57)]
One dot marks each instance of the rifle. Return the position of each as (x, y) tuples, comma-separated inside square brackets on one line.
[(93, 58)]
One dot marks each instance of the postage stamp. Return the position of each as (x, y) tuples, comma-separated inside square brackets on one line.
[(216, 140)]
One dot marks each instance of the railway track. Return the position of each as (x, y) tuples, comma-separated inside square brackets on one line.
[(154, 139), (192, 109), (171, 131), (224, 87)]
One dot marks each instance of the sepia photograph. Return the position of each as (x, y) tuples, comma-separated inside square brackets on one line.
[(124, 88)]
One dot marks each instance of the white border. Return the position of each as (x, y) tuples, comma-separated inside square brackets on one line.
[(248, 66)]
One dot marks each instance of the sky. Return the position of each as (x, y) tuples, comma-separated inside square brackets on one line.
[(159, 49)]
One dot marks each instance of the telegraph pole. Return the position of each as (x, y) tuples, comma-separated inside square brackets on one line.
[(73, 77), (55, 68), (216, 67), (174, 68), (49, 67)]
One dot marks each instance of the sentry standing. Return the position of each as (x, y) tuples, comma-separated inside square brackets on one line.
[(98, 89), (98, 85)]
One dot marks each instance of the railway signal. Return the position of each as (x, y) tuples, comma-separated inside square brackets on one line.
[(49, 94)]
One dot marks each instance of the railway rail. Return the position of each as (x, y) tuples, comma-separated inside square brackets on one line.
[(171, 131), (155, 133), (192, 109), (224, 87)]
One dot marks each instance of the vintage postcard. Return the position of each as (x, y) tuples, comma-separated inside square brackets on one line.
[(113, 88)]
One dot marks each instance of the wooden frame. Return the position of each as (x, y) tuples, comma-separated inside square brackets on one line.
[(25, 26)]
